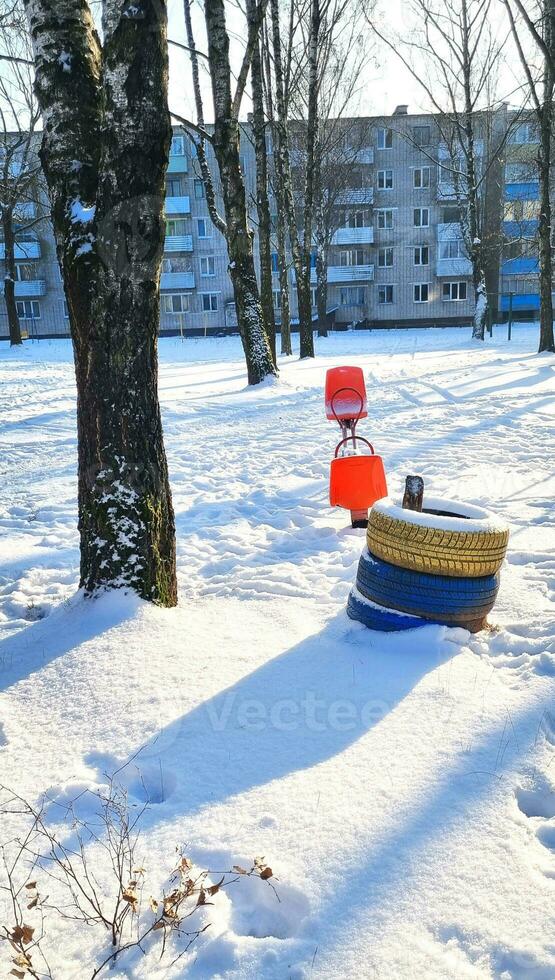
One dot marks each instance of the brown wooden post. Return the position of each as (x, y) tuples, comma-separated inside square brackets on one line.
[(414, 493)]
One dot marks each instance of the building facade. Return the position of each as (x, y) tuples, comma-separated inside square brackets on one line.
[(396, 255)]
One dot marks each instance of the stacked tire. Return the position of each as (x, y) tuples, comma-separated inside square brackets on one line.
[(438, 566)]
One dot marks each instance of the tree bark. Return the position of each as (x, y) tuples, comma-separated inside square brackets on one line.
[(284, 168), (225, 142), (304, 286), (262, 200), (322, 289), (109, 114), (9, 279), (545, 231)]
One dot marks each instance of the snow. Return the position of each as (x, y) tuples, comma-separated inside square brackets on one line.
[(471, 519), (401, 786)]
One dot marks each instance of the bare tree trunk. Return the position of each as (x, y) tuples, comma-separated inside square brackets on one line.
[(545, 231), (262, 201), (284, 168), (303, 286), (225, 142), (322, 289), (110, 113), (9, 279)]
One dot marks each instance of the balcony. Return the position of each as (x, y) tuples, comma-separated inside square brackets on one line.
[(350, 273), (525, 265), (526, 190), (527, 228), (178, 165), (454, 267), (356, 196), (178, 243), (364, 156), (177, 280), (23, 250), (32, 287), (449, 232), (25, 210), (178, 205), (353, 236)]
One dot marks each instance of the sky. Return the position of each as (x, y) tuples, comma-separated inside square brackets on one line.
[(386, 82)]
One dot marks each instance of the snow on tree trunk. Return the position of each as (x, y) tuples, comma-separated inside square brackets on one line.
[(104, 152), (225, 142), (480, 311), (283, 279), (545, 231), (9, 279), (262, 200), (321, 290)]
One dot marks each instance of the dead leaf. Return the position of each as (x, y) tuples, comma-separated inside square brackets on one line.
[(31, 885), (213, 889), (266, 873), (239, 870)]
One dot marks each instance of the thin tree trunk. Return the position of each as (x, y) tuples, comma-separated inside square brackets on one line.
[(110, 113), (225, 142), (285, 313), (304, 286), (322, 289), (544, 167), (262, 201), (284, 168), (9, 279)]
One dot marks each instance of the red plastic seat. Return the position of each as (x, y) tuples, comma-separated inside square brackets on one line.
[(345, 394), (356, 482)]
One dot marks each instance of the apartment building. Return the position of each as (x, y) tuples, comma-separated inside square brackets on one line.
[(396, 257)]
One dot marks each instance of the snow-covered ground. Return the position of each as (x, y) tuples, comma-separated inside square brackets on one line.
[(402, 787)]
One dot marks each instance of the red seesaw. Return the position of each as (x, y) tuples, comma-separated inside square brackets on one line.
[(357, 479)]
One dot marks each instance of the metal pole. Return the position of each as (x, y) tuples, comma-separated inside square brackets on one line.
[(510, 320)]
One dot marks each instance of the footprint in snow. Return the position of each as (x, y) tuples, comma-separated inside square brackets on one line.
[(537, 802)]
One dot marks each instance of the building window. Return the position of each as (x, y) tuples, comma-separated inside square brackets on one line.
[(422, 135), (385, 139), (313, 296), (421, 292), (175, 302), (352, 296), (523, 133), (385, 295), (451, 216), (385, 180), (353, 219), (177, 148), (203, 228), (352, 256), (421, 255), (385, 217), (175, 227), (198, 185), (25, 272), (274, 259), (210, 302), (421, 177), (276, 296), (452, 249), (421, 217), (66, 310), (385, 257), (454, 291), (28, 309), (517, 173), (174, 186), (521, 210), (176, 263), (207, 265)]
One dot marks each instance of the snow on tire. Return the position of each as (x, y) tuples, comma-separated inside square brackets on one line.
[(376, 617), (447, 538)]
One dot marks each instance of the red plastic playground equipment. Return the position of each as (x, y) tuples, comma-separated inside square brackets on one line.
[(357, 479)]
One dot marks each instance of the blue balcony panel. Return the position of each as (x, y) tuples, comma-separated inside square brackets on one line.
[(527, 265), (522, 191), (520, 229), (521, 301)]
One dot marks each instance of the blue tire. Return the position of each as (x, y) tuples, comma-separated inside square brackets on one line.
[(440, 598), (377, 618)]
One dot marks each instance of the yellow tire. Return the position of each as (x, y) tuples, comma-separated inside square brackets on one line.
[(447, 538)]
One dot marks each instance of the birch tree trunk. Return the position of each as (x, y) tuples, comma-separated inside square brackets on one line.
[(304, 290), (284, 168), (225, 142), (262, 201), (9, 278), (545, 230), (104, 152)]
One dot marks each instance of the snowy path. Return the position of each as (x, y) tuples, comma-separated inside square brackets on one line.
[(403, 788)]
